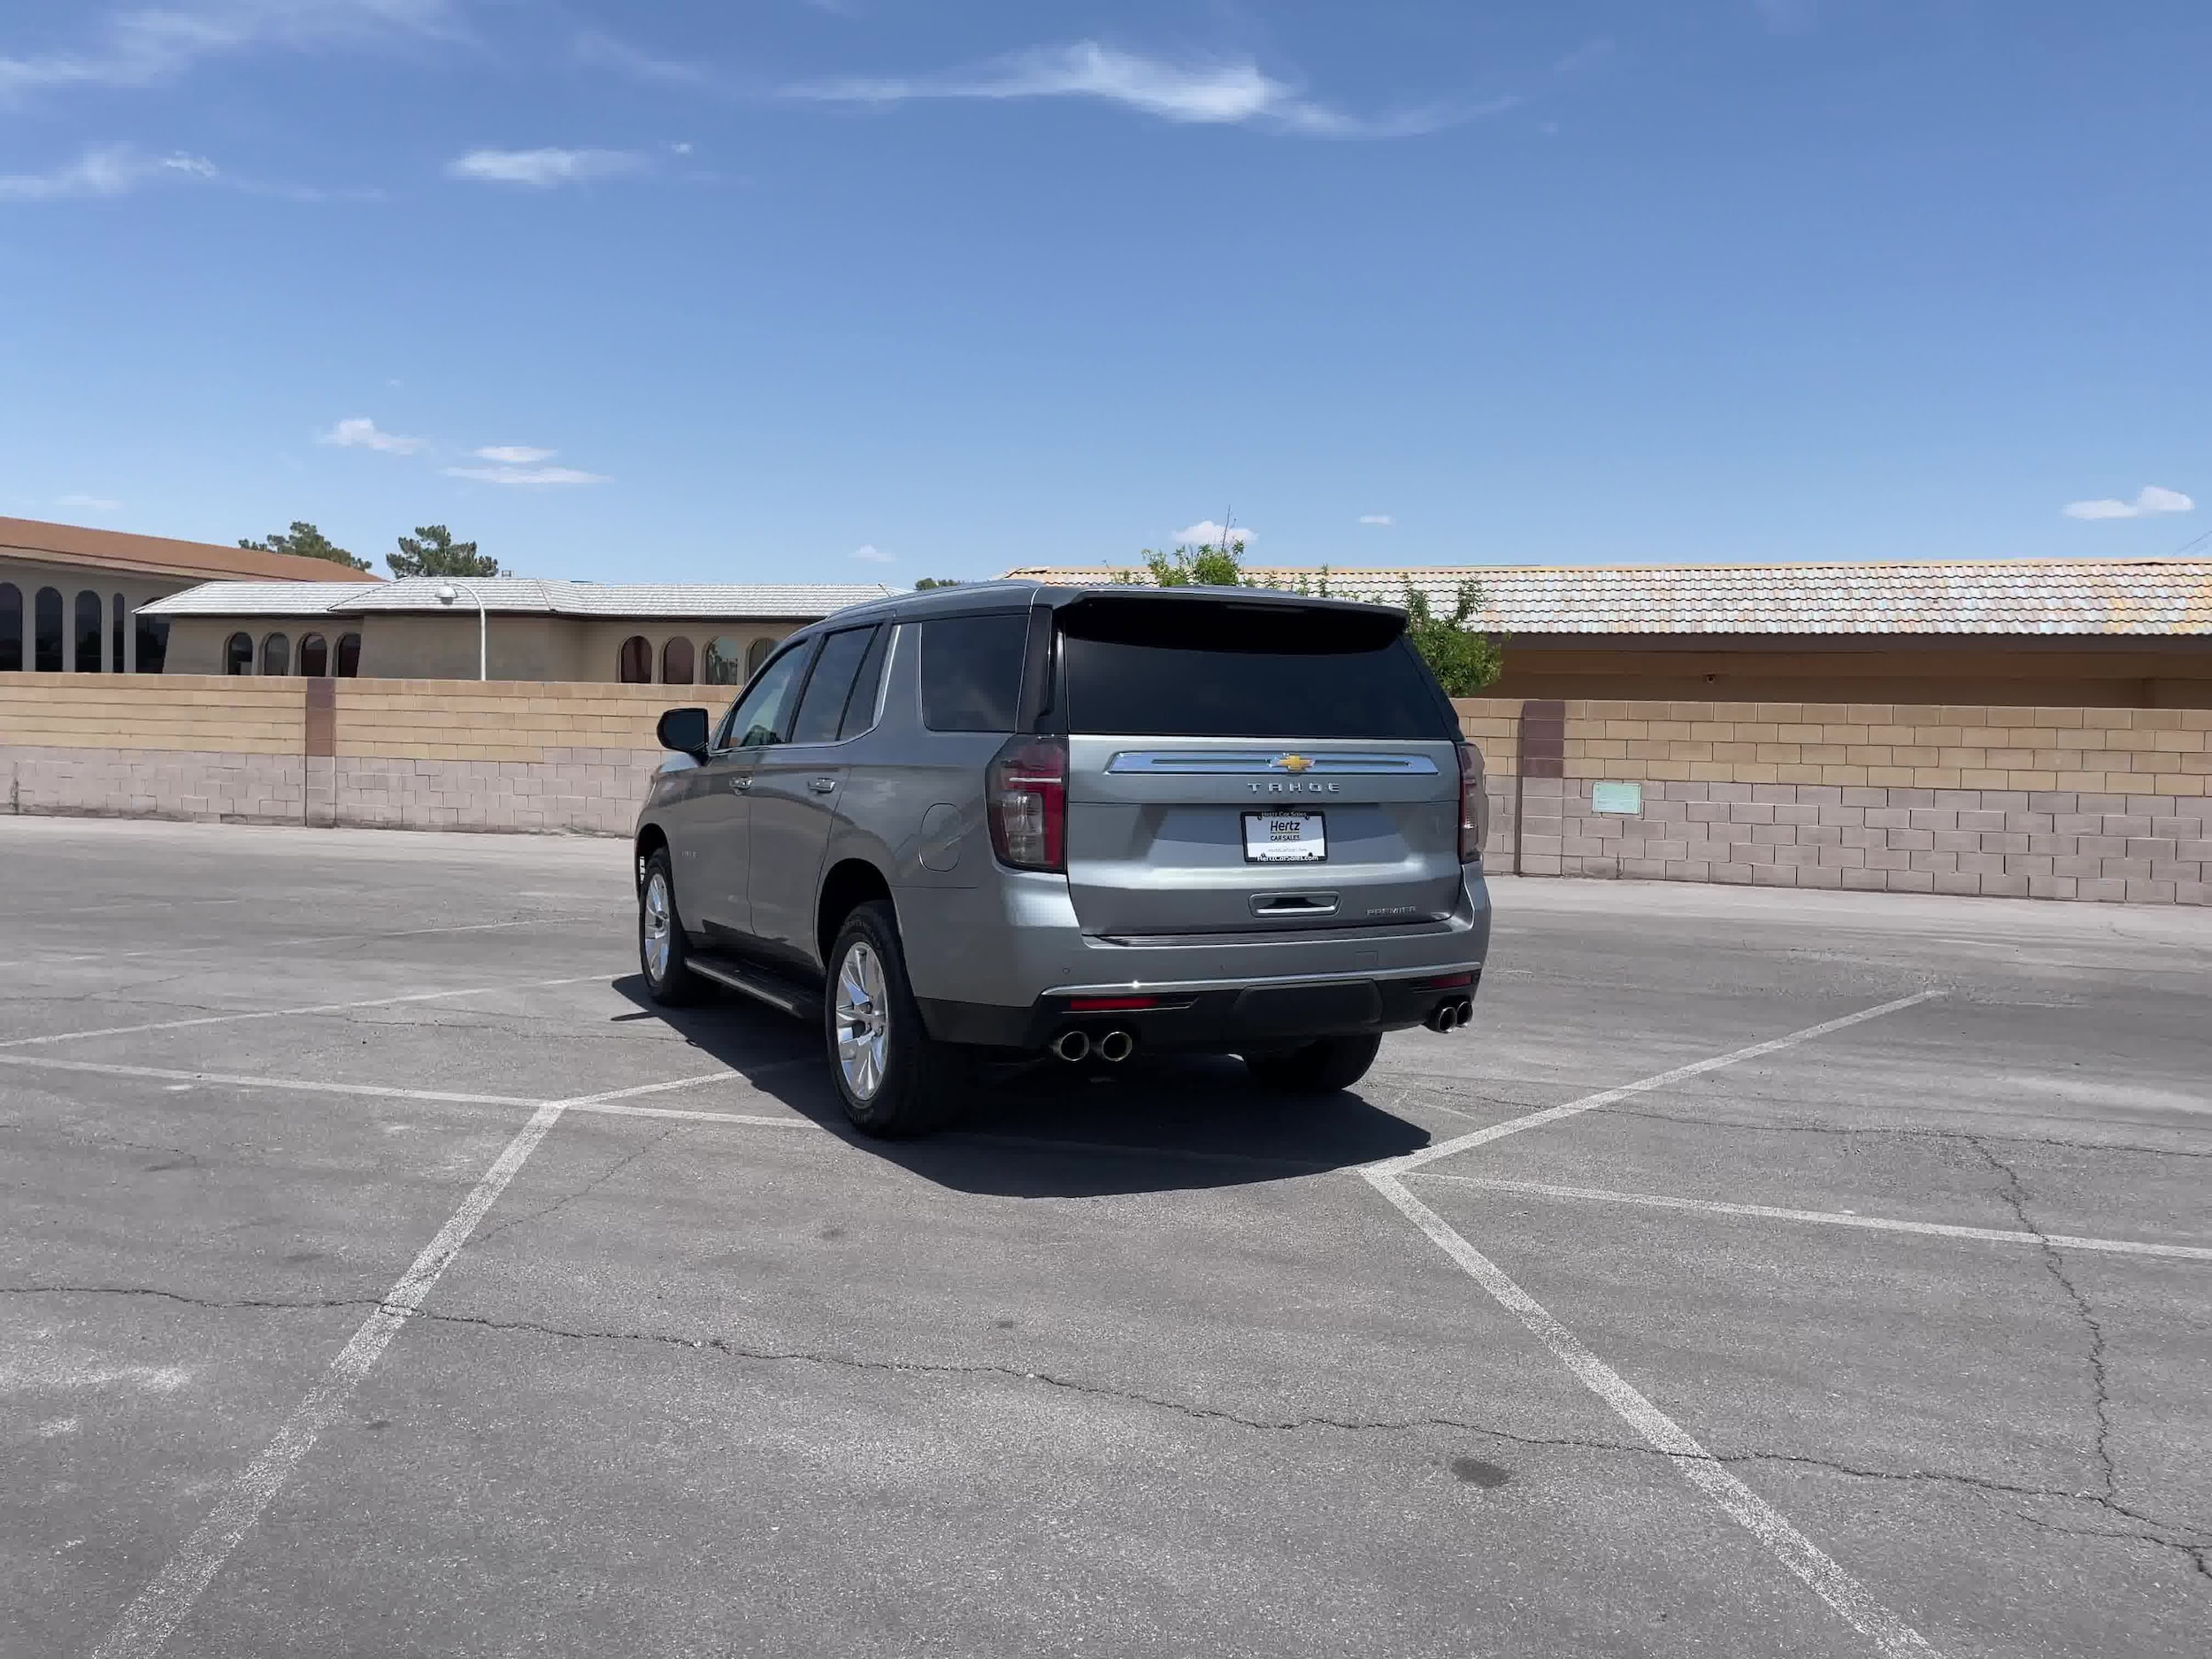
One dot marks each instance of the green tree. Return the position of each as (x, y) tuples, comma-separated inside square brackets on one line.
[(928, 582), (1464, 659), (432, 551), (1205, 566), (304, 541)]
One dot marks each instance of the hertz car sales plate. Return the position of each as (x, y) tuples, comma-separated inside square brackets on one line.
[(1285, 837)]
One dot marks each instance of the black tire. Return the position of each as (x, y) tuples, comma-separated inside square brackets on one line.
[(1320, 1068), (669, 979), (919, 1081)]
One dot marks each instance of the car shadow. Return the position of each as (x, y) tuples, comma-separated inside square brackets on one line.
[(1050, 1130)]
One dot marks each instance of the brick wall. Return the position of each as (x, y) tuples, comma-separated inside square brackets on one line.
[(2063, 803), (2060, 803)]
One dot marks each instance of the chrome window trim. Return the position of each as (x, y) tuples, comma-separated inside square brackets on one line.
[(1248, 763)]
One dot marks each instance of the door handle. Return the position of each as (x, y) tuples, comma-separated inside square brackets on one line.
[(821, 786), (739, 786)]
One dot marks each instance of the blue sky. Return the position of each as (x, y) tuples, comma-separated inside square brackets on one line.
[(748, 291)]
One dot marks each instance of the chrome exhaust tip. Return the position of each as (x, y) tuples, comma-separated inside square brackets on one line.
[(1072, 1045), (1117, 1046), (1463, 1010), (1445, 1017)]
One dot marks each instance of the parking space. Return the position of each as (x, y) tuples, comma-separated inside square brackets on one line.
[(1759, 1272)]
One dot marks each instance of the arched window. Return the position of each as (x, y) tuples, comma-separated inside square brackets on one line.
[(238, 654), (348, 656), (314, 655), (88, 632), (46, 632), (634, 664), (11, 628), (676, 663), (115, 652), (726, 661), (276, 654), (755, 654)]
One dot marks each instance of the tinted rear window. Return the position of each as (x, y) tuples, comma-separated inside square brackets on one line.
[(1244, 671), (971, 671)]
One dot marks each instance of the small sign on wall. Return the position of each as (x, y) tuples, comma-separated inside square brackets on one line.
[(1626, 799)]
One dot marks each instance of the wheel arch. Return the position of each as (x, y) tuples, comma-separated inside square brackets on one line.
[(847, 885)]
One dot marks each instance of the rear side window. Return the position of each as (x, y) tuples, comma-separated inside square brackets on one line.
[(860, 707), (822, 709), (1245, 672), (971, 671)]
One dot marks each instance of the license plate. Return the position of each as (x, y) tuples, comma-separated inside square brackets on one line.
[(1285, 837)]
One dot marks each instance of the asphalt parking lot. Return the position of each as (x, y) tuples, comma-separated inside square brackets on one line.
[(1760, 1273)]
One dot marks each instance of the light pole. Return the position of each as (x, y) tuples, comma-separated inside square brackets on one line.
[(483, 650)]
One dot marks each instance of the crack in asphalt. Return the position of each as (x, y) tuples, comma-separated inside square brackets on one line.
[(2016, 1196), (1902, 1131), (2153, 1530), (484, 1235)]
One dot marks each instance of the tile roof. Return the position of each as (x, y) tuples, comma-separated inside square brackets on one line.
[(161, 555), (527, 595), (2007, 597)]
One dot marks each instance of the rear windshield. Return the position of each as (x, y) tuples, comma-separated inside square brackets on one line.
[(1231, 671)]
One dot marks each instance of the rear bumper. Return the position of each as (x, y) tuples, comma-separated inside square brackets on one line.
[(1213, 1020), (1213, 994)]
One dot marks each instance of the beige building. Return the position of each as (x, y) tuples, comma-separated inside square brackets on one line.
[(70, 597), (2113, 633), (674, 634)]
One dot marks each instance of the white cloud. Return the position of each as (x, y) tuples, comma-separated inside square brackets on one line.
[(527, 475), (603, 51), (87, 504), (542, 169), (2149, 500), (105, 169), (1207, 532), (1382, 519), (152, 44), (359, 432), (512, 454), (1220, 93), (872, 557)]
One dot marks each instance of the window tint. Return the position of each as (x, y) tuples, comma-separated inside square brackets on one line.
[(276, 654), (348, 656), (238, 654), (765, 715), (153, 643), (860, 707), (10, 627), (676, 662), (47, 627), (971, 671), (633, 663), (88, 632), (1180, 691), (314, 655), (822, 709)]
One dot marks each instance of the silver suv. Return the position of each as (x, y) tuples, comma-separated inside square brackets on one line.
[(1007, 820)]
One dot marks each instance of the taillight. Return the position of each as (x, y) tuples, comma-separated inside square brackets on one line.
[(1474, 805), (1026, 797)]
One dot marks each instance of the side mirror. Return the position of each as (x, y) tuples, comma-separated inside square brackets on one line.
[(684, 730)]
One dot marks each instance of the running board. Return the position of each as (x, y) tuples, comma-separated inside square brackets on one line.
[(791, 998)]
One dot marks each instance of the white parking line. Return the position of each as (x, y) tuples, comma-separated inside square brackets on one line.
[(293, 1085), (147, 1622), (1850, 1598), (306, 1008), (310, 939), (1607, 1097), (1823, 1217)]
